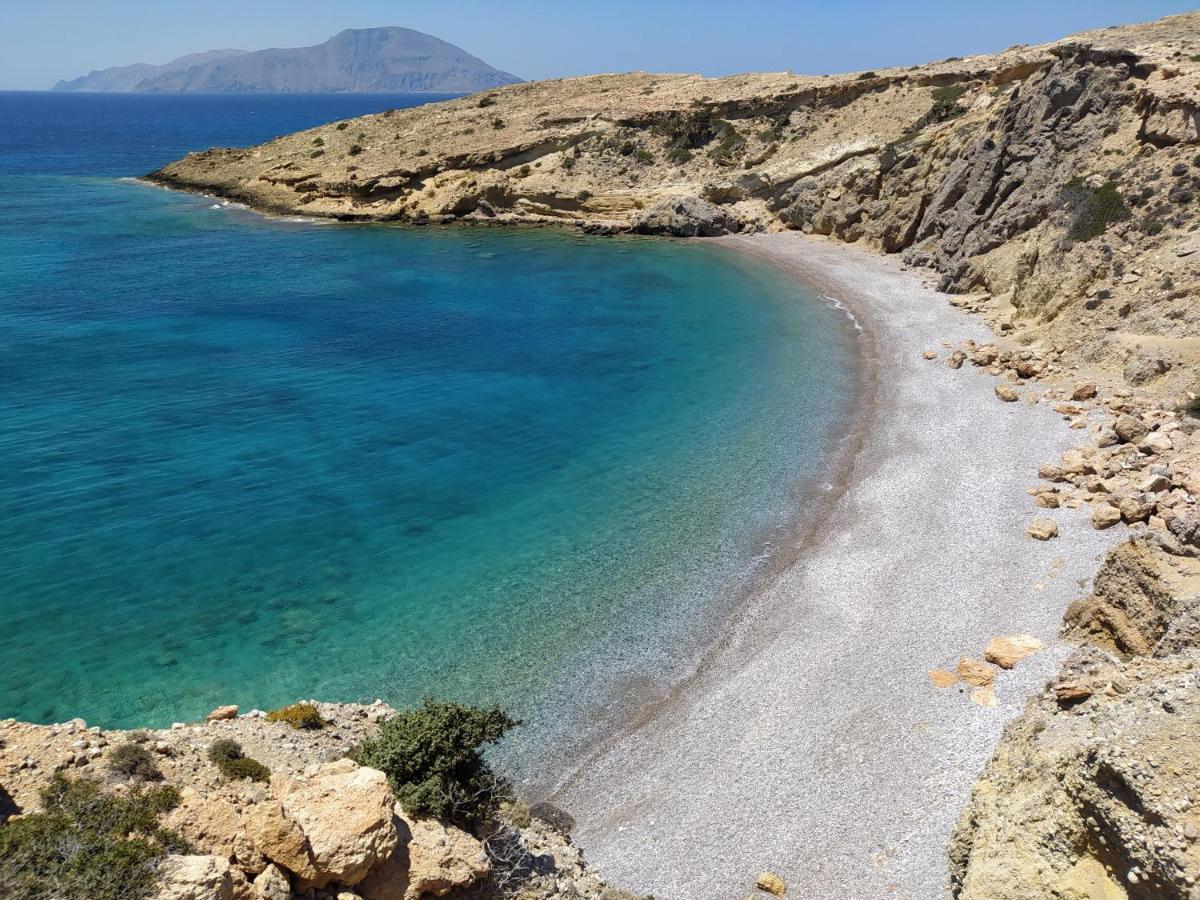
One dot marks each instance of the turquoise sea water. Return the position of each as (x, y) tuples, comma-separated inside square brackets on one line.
[(246, 460)]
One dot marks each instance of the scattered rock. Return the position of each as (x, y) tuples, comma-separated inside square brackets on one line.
[(1085, 391), (221, 713), (771, 883), (1007, 392), (1130, 430), (194, 878), (1104, 515), (984, 696), (1042, 529), (1007, 651), (975, 673), (942, 679)]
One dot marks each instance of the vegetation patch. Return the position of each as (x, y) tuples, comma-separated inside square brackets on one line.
[(679, 155), (486, 100), (1092, 209), (130, 760), (688, 130), (86, 844), (730, 143), (303, 716), (434, 764), (866, 76), (227, 755)]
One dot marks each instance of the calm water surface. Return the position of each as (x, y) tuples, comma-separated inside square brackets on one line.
[(246, 460)]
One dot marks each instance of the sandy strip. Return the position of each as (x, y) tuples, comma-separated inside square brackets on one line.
[(812, 743)]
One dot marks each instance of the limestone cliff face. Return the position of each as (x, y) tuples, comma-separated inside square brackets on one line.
[(1057, 182)]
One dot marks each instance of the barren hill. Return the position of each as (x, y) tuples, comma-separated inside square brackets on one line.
[(1055, 184)]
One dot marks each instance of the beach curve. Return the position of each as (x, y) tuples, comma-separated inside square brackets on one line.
[(811, 741)]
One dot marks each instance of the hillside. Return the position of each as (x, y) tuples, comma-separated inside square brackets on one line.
[(369, 60), (1056, 185)]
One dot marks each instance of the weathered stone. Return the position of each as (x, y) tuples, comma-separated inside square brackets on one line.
[(1105, 515), (771, 883), (272, 884), (1084, 391), (975, 673), (1156, 442), (1042, 529), (1007, 392), (1130, 430), (684, 217), (273, 834), (940, 678), (430, 859), (1009, 650), (221, 713), (194, 878), (1135, 509), (345, 813)]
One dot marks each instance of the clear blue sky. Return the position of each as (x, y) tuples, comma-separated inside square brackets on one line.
[(42, 41)]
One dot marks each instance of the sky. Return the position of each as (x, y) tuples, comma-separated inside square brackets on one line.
[(42, 41)]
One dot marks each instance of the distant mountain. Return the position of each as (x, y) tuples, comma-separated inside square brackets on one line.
[(365, 60)]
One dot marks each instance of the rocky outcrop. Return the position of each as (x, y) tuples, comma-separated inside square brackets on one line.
[(1056, 183), (1091, 792), (684, 217), (323, 825)]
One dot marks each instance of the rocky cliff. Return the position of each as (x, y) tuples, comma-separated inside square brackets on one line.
[(303, 821), (1057, 183), (363, 60)]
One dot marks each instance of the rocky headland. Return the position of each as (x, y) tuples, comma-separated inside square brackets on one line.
[(1050, 190), (304, 820)]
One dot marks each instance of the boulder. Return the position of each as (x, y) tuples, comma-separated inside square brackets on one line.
[(684, 217), (1105, 515), (272, 884), (278, 838), (221, 713), (1156, 442), (1083, 392), (1130, 430), (1042, 529), (1009, 650), (345, 813), (1135, 509), (194, 878), (430, 859)]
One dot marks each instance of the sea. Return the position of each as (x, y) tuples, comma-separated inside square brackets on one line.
[(252, 460)]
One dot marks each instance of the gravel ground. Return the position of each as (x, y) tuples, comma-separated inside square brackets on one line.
[(811, 742)]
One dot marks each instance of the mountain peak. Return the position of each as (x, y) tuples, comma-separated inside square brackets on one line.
[(388, 59)]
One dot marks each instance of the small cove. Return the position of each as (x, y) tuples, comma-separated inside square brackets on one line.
[(247, 460)]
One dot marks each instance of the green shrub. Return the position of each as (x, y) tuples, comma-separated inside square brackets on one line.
[(497, 123), (583, 196), (354, 150), (316, 154), (945, 106), (1092, 209), (241, 769), (319, 141), (227, 755), (223, 750), (679, 155), (688, 131), (731, 142), (342, 126), (1152, 227), (302, 716), (486, 100), (866, 76), (431, 756), (645, 157), (86, 844), (568, 162), (132, 760)]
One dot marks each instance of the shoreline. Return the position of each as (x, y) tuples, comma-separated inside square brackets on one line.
[(809, 741)]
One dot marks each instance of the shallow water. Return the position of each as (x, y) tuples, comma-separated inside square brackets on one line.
[(246, 460)]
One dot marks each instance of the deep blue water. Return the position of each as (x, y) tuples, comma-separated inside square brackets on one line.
[(247, 460)]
